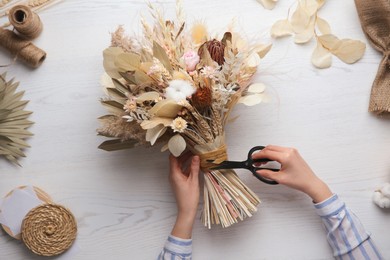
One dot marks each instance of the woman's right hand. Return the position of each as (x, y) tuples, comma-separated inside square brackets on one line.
[(294, 173)]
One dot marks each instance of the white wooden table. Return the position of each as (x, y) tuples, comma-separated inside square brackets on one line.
[(122, 200)]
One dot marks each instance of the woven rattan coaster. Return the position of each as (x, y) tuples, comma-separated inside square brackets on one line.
[(49, 229), (43, 196)]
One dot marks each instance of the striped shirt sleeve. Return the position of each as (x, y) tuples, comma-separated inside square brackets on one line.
[(176, 248), (346, 235)]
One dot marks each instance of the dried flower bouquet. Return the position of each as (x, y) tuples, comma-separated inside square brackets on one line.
[(177, 86)]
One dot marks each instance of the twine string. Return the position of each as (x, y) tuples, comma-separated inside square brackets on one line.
[(25, 21), (211, 158), (22, 48), (28, 26)]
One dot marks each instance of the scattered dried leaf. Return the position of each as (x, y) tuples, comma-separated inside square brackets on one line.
[(299, 19), (350, 51), (321, 57), (268, 4), (281, 28), (323, 26)]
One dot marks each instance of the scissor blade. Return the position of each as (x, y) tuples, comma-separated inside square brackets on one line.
[(230, 165)]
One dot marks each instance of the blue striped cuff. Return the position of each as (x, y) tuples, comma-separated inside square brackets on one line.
[(330, 206), (179, 246)]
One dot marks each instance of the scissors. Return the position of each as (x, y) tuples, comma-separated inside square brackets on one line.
[(248, 164)]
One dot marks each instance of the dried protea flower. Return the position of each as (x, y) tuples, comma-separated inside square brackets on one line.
[(216, 49), (202, 98)]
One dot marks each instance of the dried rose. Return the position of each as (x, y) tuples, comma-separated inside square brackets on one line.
[(191, 59)]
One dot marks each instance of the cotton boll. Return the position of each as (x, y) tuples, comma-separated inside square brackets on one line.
[(179, 89), (381, 197), (171, 93), (385, 190)]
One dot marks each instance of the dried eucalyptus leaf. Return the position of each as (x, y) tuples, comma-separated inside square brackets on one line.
[(304, 36), (155, 121), (164, 148), (321, 57), (141, 77), (263, 49), (153, 134), (162, 56), (253, 60), (177, 145), (109, 56), (281, 28), (310, 6), (127, 62), (152, 95), (350, 51), (329, 41), (166, 108), (251, 100), (323, 26), (257, 88)]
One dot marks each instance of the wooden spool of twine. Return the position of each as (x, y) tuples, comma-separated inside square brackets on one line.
[(25, 21), (217, 156), (22, 48), (49, 229)]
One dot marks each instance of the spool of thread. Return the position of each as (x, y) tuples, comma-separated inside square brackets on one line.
[(24, 49), (25, 21)]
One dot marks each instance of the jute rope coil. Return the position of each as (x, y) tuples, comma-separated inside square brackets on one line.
[(24, 49), (25, 21), (49, 229), (216, 156)]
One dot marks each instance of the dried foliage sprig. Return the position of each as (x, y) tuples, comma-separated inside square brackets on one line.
[(13, 121), (305, 24), (176, 86)]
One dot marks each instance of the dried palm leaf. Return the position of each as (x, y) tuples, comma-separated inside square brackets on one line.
[(13, 121)]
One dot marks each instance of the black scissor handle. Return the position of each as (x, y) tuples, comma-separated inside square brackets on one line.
[(253, 169), (253, 150), (261, 178)]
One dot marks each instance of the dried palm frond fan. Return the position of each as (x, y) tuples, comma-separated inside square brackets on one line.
[(13, 121)]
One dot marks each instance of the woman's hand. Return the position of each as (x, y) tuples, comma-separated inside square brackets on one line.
[(184, 178), (294, 173)]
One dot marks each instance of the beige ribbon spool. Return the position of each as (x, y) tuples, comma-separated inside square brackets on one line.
[(22, 48), (25, 21)]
